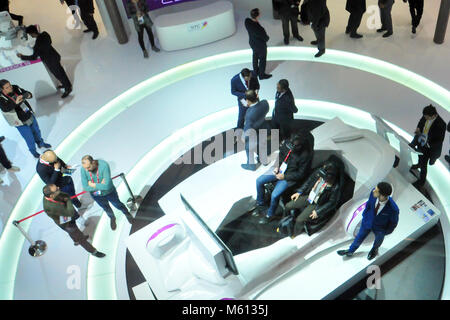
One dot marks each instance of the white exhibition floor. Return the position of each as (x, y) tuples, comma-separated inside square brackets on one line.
[(102, 69)]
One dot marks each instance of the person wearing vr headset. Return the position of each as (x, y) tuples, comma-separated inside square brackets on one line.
[(380, 217), (317, 198), (293, 164)]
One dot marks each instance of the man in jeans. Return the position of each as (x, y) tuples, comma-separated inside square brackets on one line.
[(18, 113), (96, 179)]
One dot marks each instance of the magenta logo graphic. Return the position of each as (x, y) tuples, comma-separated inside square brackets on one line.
[(198, 26), (204, 24)]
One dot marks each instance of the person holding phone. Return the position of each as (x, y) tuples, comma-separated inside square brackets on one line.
[(18, 113)]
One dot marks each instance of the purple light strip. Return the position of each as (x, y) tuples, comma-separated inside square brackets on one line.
[(357, 211), (160, 231)]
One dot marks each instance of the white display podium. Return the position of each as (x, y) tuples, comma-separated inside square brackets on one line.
[(195, 27)]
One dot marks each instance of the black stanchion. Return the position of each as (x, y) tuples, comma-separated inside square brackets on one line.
[(37, 248), (134, 201)]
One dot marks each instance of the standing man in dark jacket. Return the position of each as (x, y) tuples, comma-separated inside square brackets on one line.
[(386, 17), (59, 207), (294, 162), (4, 161), (380, 217), (447, 157), (240, 83), (18, 113), (87, 15), (258, 42), (254, 120), (320, 19), (416, 10), (317, 198), (43, 48), (356, 9), (4, 6), (288, 10), (429, 138), (283, 113), (51, 169)]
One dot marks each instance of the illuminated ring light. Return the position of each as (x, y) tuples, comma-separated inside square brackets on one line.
[(101, 282)]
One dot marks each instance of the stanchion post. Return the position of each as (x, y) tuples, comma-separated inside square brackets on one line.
[(134, 201), (37, 248)]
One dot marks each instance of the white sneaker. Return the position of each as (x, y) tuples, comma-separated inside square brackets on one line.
[(14, 169)]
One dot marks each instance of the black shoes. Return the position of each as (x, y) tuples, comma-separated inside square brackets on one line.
[(36, 155), (247, 166), (314, 43), (299, 38), (320, 53), (346, 253), (356, 36), (387, 34), (88, 30), (45, 145), (260, 210), (145, 54), (415, 167), (347, 30), (113, 224), (372, 254), (265, 76), (95, 35), (266, 219), (413, 29), (156, 49), (66, 93), (2, 138), (286, 41), (381, 30), (98, 254)]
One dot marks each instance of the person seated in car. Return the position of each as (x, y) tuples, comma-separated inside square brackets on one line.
[(294, 162), (316, 200)]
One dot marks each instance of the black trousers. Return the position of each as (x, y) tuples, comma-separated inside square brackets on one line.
[(423, 159), (259, 61), (284, 125), (88, 20), (416, 10), (241, 117), (320, 36), (77, 236), (386, 18), (354, 21), (4, 159), (58, 71), (141, 36), (285, 20)]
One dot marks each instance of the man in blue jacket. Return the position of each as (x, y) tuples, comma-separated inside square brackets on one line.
[(380, 216), (243, 81)]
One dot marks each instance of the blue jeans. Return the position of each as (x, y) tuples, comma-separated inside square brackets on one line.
[(32, 135), (69, 188), (113, 197), (280, 187), (362, 234)]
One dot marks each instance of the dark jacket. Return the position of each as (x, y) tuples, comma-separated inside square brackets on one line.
[(436, 136), (386, 2), (7, 104), (328, 200), (4, 5), (386, 220), (238, 88), (43, 48), (49, 175), (257, 35), (285, 9), (255, 116), (356, 6), (318, 14), (86, 6), (298, 165), (62, 208), (284, 106)]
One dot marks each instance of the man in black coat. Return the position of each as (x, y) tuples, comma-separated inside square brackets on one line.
[(288, 11), (294, 163), (428, 139), (51, 168), (320, 19), (4, 6), (283, 113), (356, 9), (240, 83), (416, 10), (254, 121), (447, 157), (87, 15), (258, 42), (386, 17), (50, 57)]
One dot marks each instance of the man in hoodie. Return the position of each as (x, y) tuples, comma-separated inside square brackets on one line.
[(96, 179), (50, 57)]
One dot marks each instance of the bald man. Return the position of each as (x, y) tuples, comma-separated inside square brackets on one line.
[(51, 169)]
